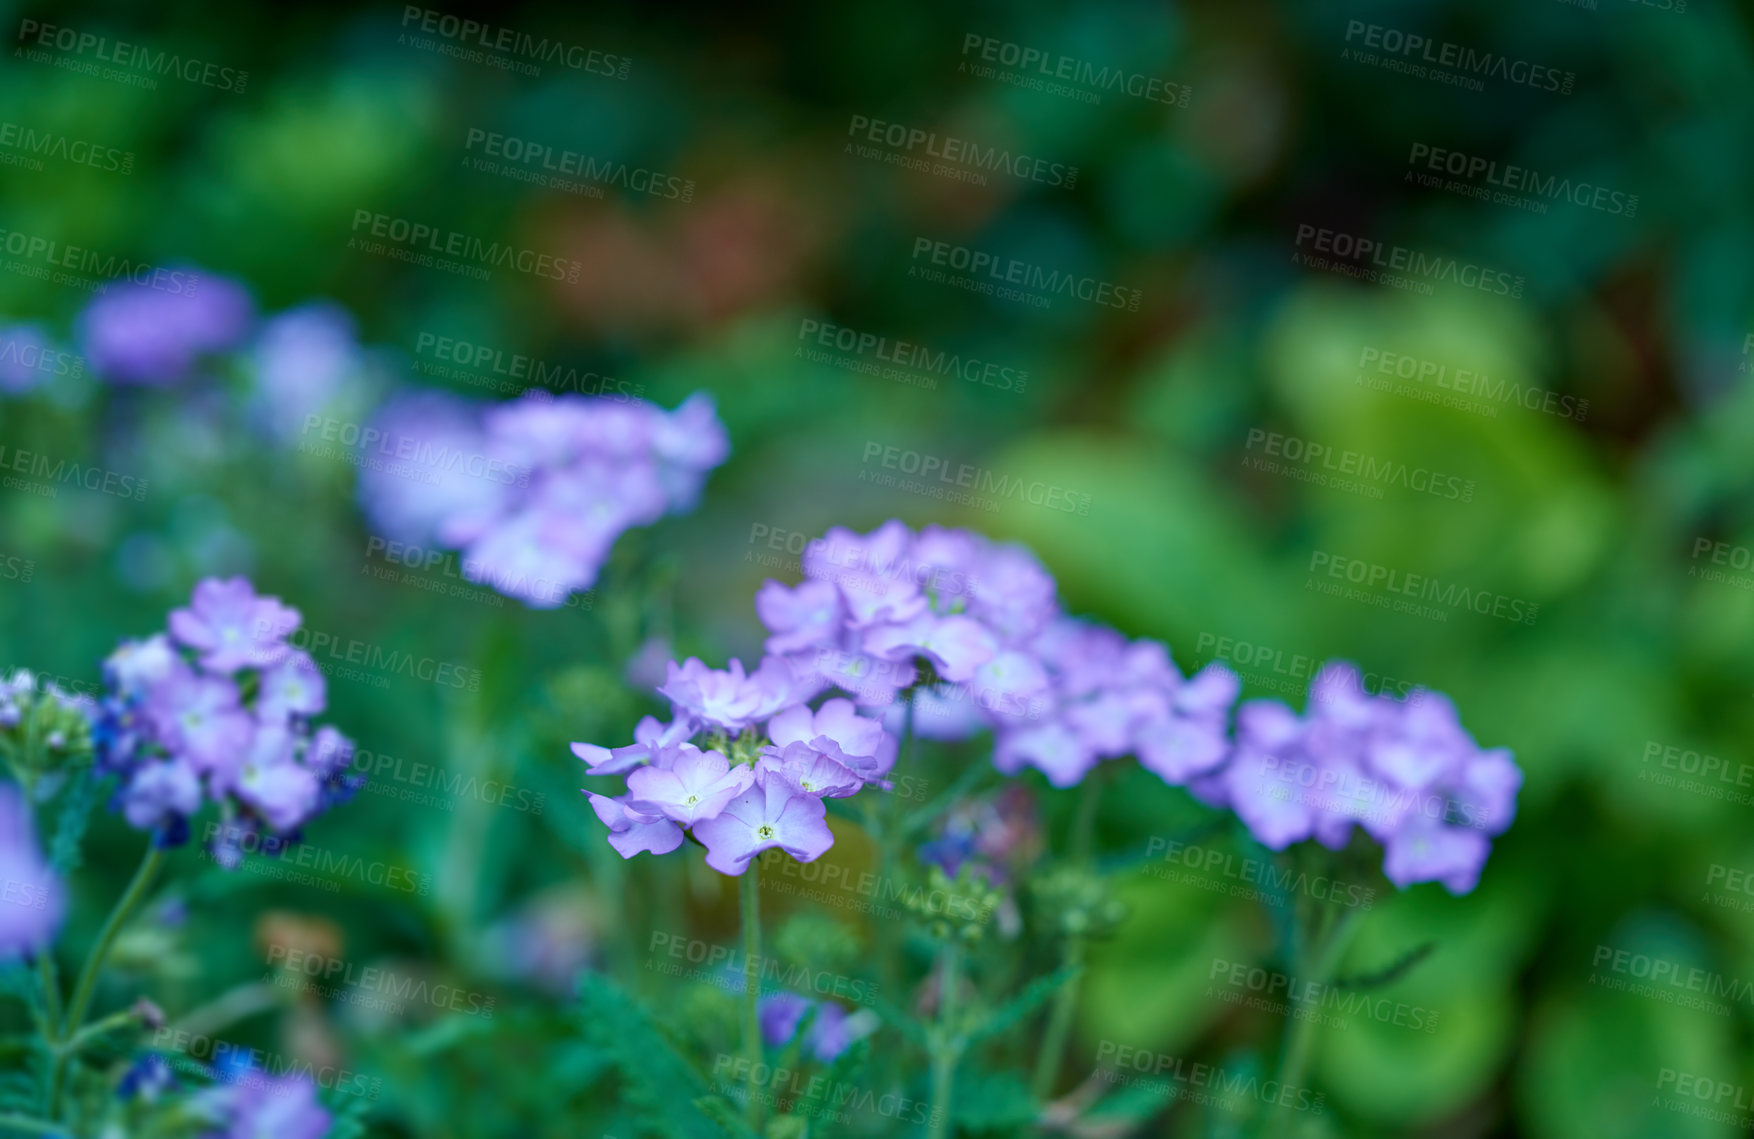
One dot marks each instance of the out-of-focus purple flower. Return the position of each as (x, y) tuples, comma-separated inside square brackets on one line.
[(536, 491), (254, 1105), (832, 1030), (155, 333), (769, 814), (231, 627), (32, 899), (29, 359), (220, 710), (1403, 770), (302, 358), (727, 698)]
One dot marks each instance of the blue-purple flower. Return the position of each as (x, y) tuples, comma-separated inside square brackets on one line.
[(220, 709), (154, 333), (32, 899)]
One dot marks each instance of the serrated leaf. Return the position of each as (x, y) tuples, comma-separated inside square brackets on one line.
[(1019, 1007)]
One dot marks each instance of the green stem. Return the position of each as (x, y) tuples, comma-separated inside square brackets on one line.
[(1059, 1026), (51, 982), (946, 1044), (1324, 953), (94, 963), (751, 900)]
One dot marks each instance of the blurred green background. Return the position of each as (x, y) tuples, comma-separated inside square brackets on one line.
[(1607, 517)]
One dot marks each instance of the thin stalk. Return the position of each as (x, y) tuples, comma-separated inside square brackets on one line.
[(751, 901), (94, 963), (51, 981), (1059, 1026), (946, 1043), (1325, 952)]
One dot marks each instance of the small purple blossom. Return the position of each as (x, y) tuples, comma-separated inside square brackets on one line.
[(254, 1105), (231, 627), (696, 786), (769, 814)]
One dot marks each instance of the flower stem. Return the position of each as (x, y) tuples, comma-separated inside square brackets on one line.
[(94, 963), (751, 902), (1059, 1027), (946, 1044), (1323, 953)]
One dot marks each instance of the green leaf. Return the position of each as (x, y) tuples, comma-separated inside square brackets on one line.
[(1402, 966)]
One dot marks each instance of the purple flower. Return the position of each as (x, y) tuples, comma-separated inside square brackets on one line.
[(255, 1105), (780, 1014), (32, 900), (1428, 851), (729, 698), (838, 732), (696, 786), (143, 334), (294, 687), (654, 743), (1053, 749), (630, 831), (807, 616), (768, 814), (956, 646), (810, 772), (303, 357), (832, 1030), (159, 793), (271, 780), (200, 719), (231, 627), (536, 491)]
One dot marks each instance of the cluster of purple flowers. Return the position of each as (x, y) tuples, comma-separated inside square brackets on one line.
[(788, 759), (220, 708), (1404, 770), (832, 1029), (535, 491), (154, 333), (963, 634)]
